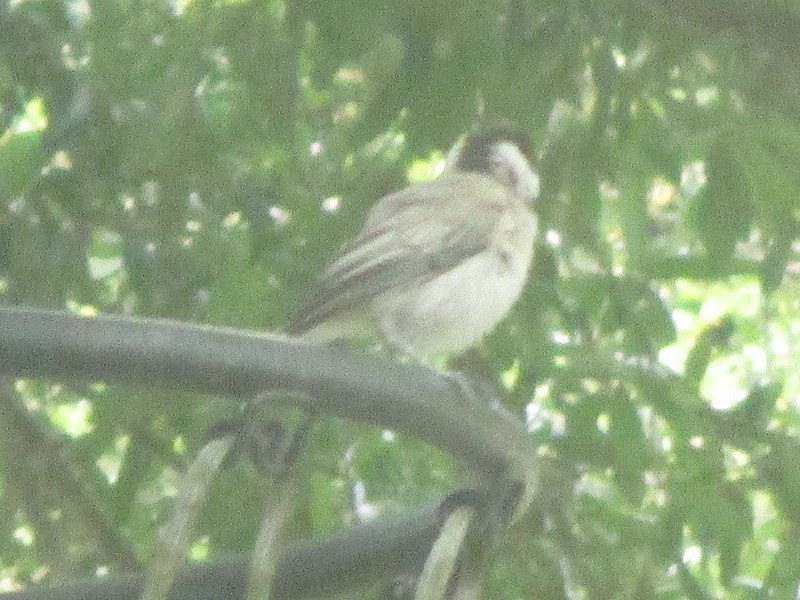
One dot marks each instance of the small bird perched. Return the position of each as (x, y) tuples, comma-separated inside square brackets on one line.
[(438, 264)]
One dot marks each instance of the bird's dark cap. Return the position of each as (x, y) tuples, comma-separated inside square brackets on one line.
[(477, 144)]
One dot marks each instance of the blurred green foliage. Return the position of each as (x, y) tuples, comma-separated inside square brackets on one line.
[(201, 159)]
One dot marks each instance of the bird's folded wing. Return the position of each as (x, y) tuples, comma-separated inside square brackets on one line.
[(410, 237)]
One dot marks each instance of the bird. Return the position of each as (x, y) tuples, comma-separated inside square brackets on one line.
[(437, 265)]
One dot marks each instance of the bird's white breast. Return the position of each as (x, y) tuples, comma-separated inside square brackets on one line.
[(455, 309)]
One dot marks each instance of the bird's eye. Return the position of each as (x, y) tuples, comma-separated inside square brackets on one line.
[(512, 177), (505, 173)]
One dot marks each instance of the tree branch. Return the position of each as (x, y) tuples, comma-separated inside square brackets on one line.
[(357, 557), (181, 356)]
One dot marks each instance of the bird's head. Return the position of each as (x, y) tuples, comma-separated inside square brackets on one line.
[(502, 151)]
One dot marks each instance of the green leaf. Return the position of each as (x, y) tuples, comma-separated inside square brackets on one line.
[(239, 296), (713, 337), (21, 159), (725, 210)]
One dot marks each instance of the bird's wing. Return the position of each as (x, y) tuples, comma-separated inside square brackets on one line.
[(410, 236)]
